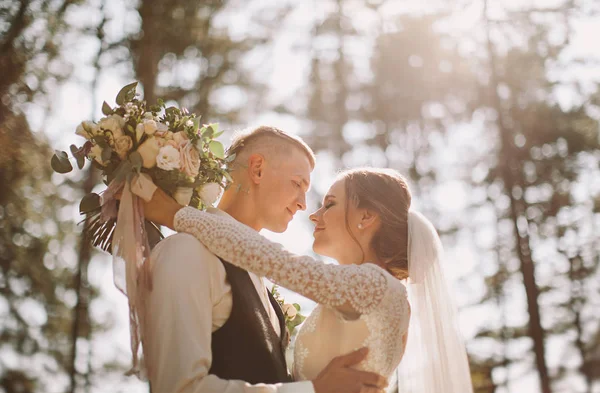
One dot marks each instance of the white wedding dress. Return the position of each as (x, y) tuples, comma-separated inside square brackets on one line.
[(379, 299)]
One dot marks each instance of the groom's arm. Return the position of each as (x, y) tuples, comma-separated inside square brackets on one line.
[(180, 323)]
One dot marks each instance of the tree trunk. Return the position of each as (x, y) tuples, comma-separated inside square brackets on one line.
[(82, 288), (511, 176), (147, 49)]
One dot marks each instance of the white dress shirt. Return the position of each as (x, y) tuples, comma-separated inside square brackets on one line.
[(191, 299)]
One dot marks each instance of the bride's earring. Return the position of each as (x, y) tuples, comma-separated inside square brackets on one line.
[(360, 226)]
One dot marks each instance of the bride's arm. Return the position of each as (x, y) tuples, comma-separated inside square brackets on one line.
[(352, 289)]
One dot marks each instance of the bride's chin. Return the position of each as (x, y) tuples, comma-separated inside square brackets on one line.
[(319, 249)]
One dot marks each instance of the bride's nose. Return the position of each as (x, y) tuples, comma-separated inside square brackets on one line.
[(313, 217)]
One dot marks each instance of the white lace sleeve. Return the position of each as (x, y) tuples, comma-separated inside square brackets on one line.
[(350, 288)]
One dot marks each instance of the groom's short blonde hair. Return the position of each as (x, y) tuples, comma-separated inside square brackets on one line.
[(267, 141)]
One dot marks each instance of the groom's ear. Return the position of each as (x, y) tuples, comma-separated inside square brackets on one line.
[(256, 164)]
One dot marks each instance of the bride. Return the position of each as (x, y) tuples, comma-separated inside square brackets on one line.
[(387, 293)]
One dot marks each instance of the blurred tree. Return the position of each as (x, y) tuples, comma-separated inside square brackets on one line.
[(36, 280), (535, 154), (31, 64), (539, 147), (42, 283), (186, 51)]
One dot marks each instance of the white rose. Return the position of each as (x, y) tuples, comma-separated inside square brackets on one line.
[(209, 193), (150, 127), (149, 150), (82, 132), (114, 124), (148, 115), (183, 195), (168, 158), (289, 310), (139, 131), (87, 129)]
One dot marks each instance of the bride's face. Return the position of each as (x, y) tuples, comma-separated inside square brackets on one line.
[(332, 235)]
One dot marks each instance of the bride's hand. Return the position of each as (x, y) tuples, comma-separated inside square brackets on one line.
[(161, 209)]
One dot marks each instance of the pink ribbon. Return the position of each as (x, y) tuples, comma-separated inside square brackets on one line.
[(130, 250)]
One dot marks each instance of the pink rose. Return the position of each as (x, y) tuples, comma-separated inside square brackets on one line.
[(122, 146), (190, 159), (180, 138)]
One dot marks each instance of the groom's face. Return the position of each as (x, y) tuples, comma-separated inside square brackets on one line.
[(282, 190)]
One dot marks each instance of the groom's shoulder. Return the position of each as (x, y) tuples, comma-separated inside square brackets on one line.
[(182, 246)]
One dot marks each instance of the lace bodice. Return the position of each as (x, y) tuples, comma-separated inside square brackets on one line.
[(366, 290)]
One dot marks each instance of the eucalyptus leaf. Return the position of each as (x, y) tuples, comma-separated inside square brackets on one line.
[(79, 155), (123, 171), (217, 149), (126, 93), (106, 153), (60, 162), (100, 141), (230, 157), (136, 161), (89, 203), (106, 109), (218, 134), (80, 161)]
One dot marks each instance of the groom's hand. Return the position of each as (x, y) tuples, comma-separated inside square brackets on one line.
[(339, 377)]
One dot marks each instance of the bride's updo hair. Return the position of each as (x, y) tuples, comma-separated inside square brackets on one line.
[(384, 192)]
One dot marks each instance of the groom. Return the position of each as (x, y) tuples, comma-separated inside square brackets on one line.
[(213, 327)]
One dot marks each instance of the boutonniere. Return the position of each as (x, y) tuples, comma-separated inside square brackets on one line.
[(291, 312)]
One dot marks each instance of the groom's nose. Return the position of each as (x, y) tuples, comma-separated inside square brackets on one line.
[(301, 202)]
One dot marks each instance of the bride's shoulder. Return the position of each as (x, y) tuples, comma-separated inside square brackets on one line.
[(396, 286)]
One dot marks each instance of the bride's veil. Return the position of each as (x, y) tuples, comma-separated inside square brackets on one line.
[(435, 360)]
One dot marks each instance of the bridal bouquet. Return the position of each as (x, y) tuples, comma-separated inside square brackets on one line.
[(168, 145), (139, 148)]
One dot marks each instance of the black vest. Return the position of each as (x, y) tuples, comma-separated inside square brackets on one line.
[(247, 347)]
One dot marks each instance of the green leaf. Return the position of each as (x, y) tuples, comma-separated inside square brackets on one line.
[(60, 162), (136, 161), (230, 157), (79, 156), (126, 93), (123, 171), (89, 203), (208, 132), (100, 141), (218, 134), (172, 110), (196, 121), (217, 149), (106, 153), (106, 109), (297, 307)]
